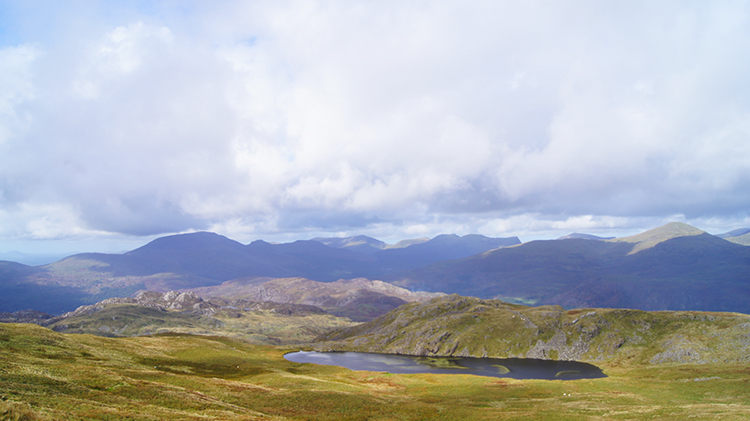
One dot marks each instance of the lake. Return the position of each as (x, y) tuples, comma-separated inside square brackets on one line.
[(516, 368)]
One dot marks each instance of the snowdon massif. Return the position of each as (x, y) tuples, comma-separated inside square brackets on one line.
[(674, 267), (201, 259)]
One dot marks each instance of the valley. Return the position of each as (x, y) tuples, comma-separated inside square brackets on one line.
[(47, 375), (196, 327), (673, 267)]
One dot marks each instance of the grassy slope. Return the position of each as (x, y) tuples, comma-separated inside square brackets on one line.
[(650, 238), (465, 326), (47, 375), (740, 239)]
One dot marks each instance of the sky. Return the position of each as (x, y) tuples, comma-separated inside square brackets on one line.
[(123, 121)]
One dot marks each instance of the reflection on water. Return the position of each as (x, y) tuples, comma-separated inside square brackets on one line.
[(517, 368)]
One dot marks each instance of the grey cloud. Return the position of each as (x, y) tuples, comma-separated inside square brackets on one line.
[(353, 115), (140, 216), (326, 221)]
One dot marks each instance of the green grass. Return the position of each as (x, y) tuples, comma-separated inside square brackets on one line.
[(45, 375), (465, 326)]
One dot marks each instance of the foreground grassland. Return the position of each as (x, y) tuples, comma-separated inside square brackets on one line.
[(50, 376)]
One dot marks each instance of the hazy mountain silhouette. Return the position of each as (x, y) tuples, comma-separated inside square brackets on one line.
[(671, 267), (359, 243), (675, 267), (584, 237), (205, 259)]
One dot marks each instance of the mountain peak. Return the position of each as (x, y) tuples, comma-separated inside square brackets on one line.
[(190, 241), (577, 235), (650, 238), (361, 243)]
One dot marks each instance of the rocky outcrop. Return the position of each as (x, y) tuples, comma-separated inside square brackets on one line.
[(25, 316), (359, 299), (186, 302)]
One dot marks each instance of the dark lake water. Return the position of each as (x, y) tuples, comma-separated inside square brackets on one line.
[(516, 368)]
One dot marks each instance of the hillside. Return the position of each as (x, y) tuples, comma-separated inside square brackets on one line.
[(675, 267), (734, 233), (442, 247), (465, 326), (358, 299), (20, 291), (45, 375), (658, 235), (738, 236), (743, 240)]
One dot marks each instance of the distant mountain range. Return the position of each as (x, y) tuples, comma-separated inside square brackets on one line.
[(181, 262), (32, 259), (584, 237), (674, 267)]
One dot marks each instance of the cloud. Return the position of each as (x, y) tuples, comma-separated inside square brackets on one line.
[(15, 88), (269, 118)]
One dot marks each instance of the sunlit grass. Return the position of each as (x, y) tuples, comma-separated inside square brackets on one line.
[(46, 375)]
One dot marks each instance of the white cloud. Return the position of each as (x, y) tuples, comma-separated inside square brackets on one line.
[(16, 88), (120, 53), (392, 117)]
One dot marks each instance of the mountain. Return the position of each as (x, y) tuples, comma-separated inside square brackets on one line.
[(674, 267), (449, 246), (359, 243), (410, 254), (200, 259), (464, 326), (738, 236), (734, 233), (406, 243), (442, 247), (584, 237), (31, 259), (18, 294), (658, 235), (308, 259), (743, 240)]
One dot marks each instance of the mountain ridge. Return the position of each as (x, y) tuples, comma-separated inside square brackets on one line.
[(657, 235), (673, 267), (201, 259)]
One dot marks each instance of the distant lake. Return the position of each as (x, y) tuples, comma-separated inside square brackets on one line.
[(515, 368)]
